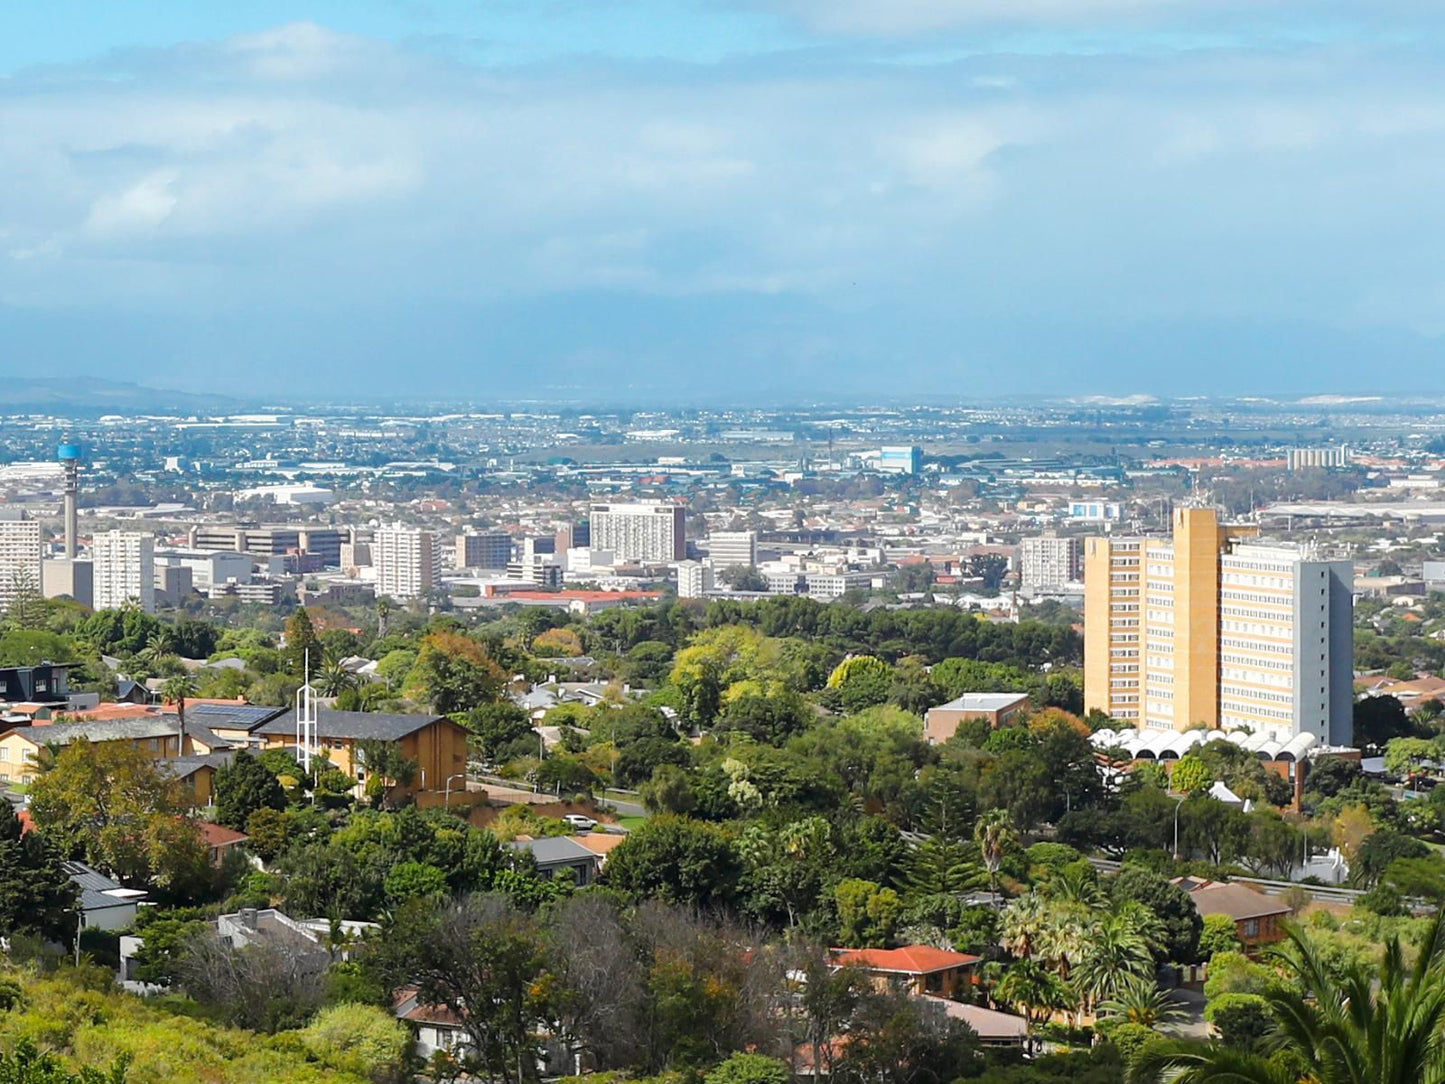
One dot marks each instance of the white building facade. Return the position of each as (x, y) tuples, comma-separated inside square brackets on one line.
[(405, 561), (649, 533), (123, 570)]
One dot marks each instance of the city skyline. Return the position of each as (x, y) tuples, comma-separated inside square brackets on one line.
[(851, 199)]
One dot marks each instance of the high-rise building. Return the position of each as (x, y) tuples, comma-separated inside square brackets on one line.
[(1216, 627), (1049, 562), (487, 549), (641, 532), (694, 579), (68, 577), (264, 541), (123, 569), (727, 549), (405, 560), (900, 459), (20, 555)]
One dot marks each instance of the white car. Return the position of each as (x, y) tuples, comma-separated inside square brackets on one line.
[(578, 821)]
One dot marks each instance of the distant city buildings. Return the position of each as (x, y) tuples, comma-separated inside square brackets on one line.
[(1214, 627), (20, 555), (1049, 563), (728, 549), (1096, 511), (123, 570), (694, 579), (405, 560), (265, 541), (900, 459), (68, 577), (484, 549), (646, 533)]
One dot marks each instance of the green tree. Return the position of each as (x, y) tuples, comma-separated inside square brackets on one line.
[(1191, 775), (861, 682), (996, 838), (360, 1039), (26, 1065), (867, 913), (1241, 1020), (454, 673), (1218, 935), (36, 895), (1336, 1023), (1169, 903), (1034, 990), (242, 787), (749, 1069), (677, 860), (302, 644), (413, 881)]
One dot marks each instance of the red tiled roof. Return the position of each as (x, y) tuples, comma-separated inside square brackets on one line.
[(908, 960), (217, 835)]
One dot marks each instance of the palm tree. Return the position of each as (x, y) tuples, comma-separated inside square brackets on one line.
[(175, 691), (994, 834), (1138, 1000), (1033, 989), (1022, 925), (1114, 954), (1349, 1025), (335, 679)]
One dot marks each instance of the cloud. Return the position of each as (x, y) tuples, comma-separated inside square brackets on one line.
[(807, 217)]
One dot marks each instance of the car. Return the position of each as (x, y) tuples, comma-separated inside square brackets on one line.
[(580, 822)]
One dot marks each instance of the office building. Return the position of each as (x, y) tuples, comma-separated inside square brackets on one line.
[(67, 577), (123, 569), (1050, 562), (573, 536), (694, 579), (264, 541), (1105, 512), (173, 584), (728, 549), (900, 460), (1215, 627), (405, 560), (209, 568), (490, 549), (828, 586), (20, 554), (649, 533)]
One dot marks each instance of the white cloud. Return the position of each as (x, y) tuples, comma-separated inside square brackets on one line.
[(138, 209)]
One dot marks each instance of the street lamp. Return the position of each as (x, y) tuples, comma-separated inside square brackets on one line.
[(1178, 805)]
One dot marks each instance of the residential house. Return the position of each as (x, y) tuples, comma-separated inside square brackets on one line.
[(942, 722), (916, 969), (20, 747), (219, 840), (436, 1027), (105, 903), (556, 854), (993, 1028), (436, 744), (1256, 917)]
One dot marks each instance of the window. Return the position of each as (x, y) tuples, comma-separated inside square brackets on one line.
[(1251, 927), (4, 753)]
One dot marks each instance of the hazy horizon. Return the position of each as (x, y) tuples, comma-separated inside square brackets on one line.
[(719, 201)]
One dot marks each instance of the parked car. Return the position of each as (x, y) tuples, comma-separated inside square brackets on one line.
[(580, 822)]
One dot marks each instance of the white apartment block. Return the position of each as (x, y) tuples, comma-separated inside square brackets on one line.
[(648, 533), (123, 570), (1285, 642), (20, 555), (1049, 562), (405, 561), (694, 579), (728, 549)]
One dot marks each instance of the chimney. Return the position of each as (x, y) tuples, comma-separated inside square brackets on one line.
[(248, 918)]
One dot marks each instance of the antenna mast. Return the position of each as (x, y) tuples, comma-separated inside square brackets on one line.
[(306, 717)]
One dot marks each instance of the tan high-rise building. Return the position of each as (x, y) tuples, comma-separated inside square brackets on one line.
[(405, 560), (1211, 628)]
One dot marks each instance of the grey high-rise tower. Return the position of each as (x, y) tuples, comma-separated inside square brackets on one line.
[(69, 455)]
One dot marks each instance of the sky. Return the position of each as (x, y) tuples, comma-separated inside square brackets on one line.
[(717, 201)]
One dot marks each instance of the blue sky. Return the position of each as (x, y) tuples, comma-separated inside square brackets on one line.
[(750, 200)]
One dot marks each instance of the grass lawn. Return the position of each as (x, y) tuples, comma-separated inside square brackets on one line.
[(631, 822)]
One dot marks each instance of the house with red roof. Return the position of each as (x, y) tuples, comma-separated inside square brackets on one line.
[(917, 969)]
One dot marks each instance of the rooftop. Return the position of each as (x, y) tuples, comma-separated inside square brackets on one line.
[(1237, 901), (908, 960), (352, 725), (983, 702)]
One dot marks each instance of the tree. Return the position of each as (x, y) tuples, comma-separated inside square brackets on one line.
[(1405, 757), (995, 837), (455, 673), (1034, 989), (743, 578), (113, 805), (1170, 903), (1138, 1000), (1336, 1023), (1377, 719), (484, 960), (36, 895), (867, 913), (749, 1069), (1191, 775), (861, 682), (1218, 935), (676, 860), (302, 644), (1241, 1020), (386, 766), (244, 786)]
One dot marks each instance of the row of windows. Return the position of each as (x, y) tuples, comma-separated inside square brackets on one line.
[(1256, 645), (1249, 710), (1263, 615), (1255, 694), (1254, 596), (1257, 663)]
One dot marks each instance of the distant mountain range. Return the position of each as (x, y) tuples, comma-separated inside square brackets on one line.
[(85, 395)]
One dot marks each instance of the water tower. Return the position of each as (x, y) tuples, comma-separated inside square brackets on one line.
[(69, 456)]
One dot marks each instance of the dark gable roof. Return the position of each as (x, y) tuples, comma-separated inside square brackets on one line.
[(231, 716), (98, 730), (353, 725)]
